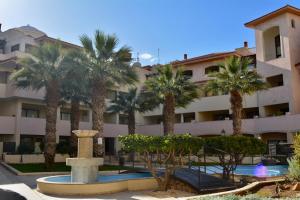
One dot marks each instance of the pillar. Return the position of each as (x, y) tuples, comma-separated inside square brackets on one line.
[(18, 118), (290, 137)]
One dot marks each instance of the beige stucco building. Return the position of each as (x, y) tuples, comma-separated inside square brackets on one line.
[(273, 115)]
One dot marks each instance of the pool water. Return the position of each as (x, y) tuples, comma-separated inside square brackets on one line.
[(102, 178), (250, 170)]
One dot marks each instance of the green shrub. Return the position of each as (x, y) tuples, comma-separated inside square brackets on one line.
[(294, 162), (25, 148), (231, 150)]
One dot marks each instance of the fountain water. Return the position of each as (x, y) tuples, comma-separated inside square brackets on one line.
[(84, 167)]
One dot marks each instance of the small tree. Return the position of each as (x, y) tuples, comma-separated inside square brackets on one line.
[(130, 103), (237, 79), (168, 151), (294, 162), (231, 150), (75, 88), (171, 89)]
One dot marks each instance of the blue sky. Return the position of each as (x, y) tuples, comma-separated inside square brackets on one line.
[(176, 27)]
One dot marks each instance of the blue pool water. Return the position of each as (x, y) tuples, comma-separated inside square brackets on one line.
[(102, 178), (251, 170)]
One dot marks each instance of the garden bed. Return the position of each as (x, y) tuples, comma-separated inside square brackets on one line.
[(60, 167)]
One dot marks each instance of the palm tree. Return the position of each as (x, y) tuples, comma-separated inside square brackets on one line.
[(75, 89), (130, 103), (172, 89), (43, 69), (237, 79), (107, 67)]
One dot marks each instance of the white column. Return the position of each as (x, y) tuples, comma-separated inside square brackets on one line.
[(290, 137), (18, 118), (117, 118), (57, 122), (181, 118)]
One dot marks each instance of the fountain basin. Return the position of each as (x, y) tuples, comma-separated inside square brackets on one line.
[(62, 185)]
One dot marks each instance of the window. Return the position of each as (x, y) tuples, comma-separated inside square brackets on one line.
[(188, 73), (111, 94), (84, 116), (4, 77), (211, 69), (293, 23), (30, 113), (64, 115), (15, 47), (28, 48), (123, 119), (275, 81), (277, 46)]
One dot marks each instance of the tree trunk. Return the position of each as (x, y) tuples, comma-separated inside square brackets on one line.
[(75, 118), (169, 114), (131, 123), (98, 109), (52, 100), (236, 101)]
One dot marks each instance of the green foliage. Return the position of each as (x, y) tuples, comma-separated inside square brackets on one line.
[(297, 145), (232, 149), (180, 144), (44, 67), (235, 75), (63, 147), (104, 62), (294, 169), (129, 102), (167, 82), (164, 150), (75, 85), (25, 148), (243, 145), (294, 162)]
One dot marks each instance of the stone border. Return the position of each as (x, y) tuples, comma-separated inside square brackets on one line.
[(238, 191)]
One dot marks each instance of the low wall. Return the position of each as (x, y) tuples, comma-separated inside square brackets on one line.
[(31, 158)]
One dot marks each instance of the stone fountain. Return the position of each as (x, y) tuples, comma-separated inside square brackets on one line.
[(85, 166)]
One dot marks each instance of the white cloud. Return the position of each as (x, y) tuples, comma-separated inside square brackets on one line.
[(146, 56), (153, 59)]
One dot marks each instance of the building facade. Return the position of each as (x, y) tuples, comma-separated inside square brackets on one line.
[(273, 115)]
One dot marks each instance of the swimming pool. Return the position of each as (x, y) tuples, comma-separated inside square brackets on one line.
[(102, 178), (250, 170)]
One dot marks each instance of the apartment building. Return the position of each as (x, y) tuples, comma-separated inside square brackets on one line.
[(273, 115)]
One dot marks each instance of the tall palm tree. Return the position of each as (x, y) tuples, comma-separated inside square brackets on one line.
[(172, 89), (237, 79), (75, 89), (44, 69), (108, 67), (130, 103)]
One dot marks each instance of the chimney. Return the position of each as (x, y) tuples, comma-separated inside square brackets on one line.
[(246, 44), (185, 56)]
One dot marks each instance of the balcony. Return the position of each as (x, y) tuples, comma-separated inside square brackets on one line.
[(286, 123), (275, 95), (36, 126), (7, 125)]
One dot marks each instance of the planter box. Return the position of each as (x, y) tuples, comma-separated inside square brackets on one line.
[(31, 158), (12, 159)]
